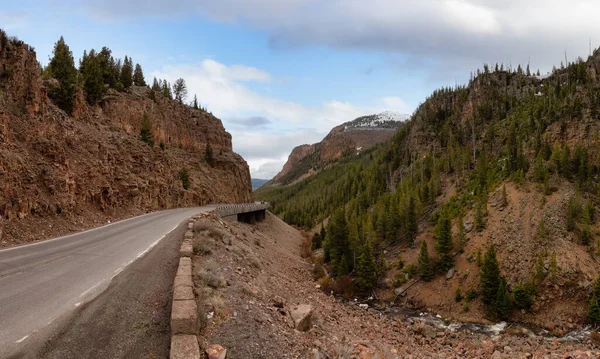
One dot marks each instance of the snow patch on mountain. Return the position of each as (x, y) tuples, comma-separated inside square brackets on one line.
[(387, 119)]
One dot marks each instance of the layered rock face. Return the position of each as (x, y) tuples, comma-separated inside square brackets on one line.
[(298, 154), (72, 172), (354, 136)]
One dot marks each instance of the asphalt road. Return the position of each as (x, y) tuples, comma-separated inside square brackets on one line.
[(47, 280)]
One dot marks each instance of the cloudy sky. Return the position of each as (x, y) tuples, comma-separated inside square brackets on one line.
[(280, 73)]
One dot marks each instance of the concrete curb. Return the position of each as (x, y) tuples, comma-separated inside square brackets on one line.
[(184, 312)]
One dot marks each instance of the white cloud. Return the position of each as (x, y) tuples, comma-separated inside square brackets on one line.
[(468, 32), (265, 129)]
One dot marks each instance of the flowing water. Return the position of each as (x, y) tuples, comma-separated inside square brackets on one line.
[(408, 314)]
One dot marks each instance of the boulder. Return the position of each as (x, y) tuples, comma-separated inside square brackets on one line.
[(468, 226), (450, 274), (399, 291), (302, 317), (215, 351)]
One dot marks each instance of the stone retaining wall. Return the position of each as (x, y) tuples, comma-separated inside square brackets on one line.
[(184, 313)]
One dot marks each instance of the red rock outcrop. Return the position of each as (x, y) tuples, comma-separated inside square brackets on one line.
[(306, 160), (64, 173)]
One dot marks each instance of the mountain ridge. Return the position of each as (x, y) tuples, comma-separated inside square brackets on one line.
[(359, 134), (508, 161)]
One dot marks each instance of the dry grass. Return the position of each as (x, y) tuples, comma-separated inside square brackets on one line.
[(202, 246), (210, 276)]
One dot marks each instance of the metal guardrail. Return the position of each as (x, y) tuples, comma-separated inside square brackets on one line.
[(232, 209)]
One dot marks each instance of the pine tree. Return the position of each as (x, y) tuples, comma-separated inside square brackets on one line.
[(540, 271), (146, 131), (339, 246), (208, 154), (539, 168), (127, 73), (156, 85), (587, 216), (504, 196), (594, 306), (412, 225), (513, 148), (356, 246), (425, 265), (166, 89), (542, 233), (195, 104), (138, 76), (111, 69), (366, 269), (91, 74), (443, 245), (318, 238), (62, 68), (480, 215), (503, 303), (489, 276), (180, 90)]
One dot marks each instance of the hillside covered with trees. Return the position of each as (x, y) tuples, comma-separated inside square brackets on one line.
[(483, 203)]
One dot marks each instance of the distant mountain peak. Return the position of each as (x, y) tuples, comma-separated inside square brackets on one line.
[(386, 119)]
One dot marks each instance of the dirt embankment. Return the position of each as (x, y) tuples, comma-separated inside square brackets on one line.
[(253, 289)]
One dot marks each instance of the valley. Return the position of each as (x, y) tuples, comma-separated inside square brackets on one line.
[(498, 176), (257, 189)]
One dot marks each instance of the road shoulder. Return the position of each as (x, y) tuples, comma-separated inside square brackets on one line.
[(130, 319)]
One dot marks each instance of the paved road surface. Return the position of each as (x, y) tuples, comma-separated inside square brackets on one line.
[(43, 281)]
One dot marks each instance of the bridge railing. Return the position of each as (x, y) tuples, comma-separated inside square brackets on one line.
[(232, 209)]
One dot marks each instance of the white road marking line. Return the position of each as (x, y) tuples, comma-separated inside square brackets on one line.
[(91, 288), (141, 254), (22, 339), (87, 231)]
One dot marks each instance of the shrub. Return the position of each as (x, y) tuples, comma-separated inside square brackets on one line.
[(184, 176), (162, 145), (400, 263), (201, 246), (209, 155), (146, 131), (523, 297), (472, 294), (326, 284), (344, 286), (318, 271), (458, 295), (411, 270), (212, 279)]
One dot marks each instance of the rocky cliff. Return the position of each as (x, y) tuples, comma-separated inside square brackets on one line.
[(60, 173), (357, 135)]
